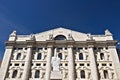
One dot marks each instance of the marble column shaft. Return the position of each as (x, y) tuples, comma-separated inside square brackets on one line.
[(93, 65), (70, 64), (5, 62), (115, 59), (48, 65), (27, 66)]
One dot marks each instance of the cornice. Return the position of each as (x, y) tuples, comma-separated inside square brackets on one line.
[(62, 42)]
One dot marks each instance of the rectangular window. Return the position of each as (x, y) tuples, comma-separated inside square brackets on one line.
[(95, 48), (20, 48), (44, 64), (40, 48), (80, 48), (66, 64), (38, 64), (16, 64), (45, 48), (110, 64), (103, 64), (65, 48), (85, 48), (34, 48), (106, 48), (97, 64), (81, 64), (14, 49), (22, 64), (58, 49), (88, 64), (10, 64), (75, 64), (100, 48), (25, 48)]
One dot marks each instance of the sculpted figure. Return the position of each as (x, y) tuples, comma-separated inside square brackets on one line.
[(90, 36), (70, 37), (55, 63), (13, 33), (107, 32), (32, 37), (50, 36)]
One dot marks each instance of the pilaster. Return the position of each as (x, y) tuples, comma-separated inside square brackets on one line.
[(48, 64), (27, 66), (115, 59), (71, 73), (5, 62), (93, 65)]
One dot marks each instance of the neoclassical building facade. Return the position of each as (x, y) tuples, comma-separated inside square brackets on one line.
[(60, 54)]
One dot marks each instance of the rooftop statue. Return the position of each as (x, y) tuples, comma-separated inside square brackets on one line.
[(13, 33), (107, 32)]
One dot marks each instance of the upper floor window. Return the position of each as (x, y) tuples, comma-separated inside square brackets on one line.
[(82, 74), (37, 73), (39, 56), (105, 74), (14, 75), (60, 37), (60, 55), (101, 56), (80, 56), (18, 56)]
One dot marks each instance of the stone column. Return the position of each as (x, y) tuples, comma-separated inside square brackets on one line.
[(115, 60), (5, 62), (48, 65), (71, 73), (27, 66), (93, 65)]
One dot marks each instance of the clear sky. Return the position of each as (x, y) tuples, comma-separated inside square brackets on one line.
[(34, 16)]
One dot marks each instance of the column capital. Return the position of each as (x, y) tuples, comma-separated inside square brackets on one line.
[(90, 46), (70, 46), (9, 47), (10, 43), (112, 47), (29, 46), (49, 46)]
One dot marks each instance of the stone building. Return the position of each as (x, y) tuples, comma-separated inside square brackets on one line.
[(60, 54)]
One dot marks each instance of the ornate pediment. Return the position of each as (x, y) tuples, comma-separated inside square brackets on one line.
[(61, 33)]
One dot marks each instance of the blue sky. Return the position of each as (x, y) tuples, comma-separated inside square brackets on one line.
[(34, 16)]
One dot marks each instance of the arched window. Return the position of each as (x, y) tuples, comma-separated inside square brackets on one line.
[(39, 56), (82, 74), (14, 75), (101, 56), (18, 56), (60, 37), (80, 56), (60, 55), (105, 74), (37, 73)]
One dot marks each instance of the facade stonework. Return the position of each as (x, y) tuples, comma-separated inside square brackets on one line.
[(60, 54)]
